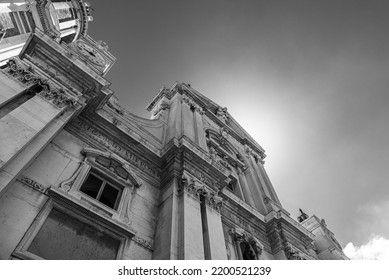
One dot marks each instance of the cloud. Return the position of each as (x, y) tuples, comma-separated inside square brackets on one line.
[(377, 248)]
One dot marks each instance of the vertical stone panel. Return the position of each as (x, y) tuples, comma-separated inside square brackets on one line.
[(165, 240), (22, 124), (9, 89), (201, 140), (190, 237), (188, 123), (18, 207), (269, 185), (217, 246)]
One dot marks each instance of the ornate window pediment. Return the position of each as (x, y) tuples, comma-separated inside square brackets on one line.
[(222, 151), (104, 181), (249, 248), (113, 163)]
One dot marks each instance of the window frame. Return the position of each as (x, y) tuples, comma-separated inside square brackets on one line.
[(67, 207), (105, 181)]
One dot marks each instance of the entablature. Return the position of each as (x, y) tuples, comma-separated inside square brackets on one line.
[(95, 135), (51, 58)]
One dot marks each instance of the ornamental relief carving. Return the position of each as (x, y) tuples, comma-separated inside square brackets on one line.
[(242, 223), (192, 105), (250, 152), (143, 242), (292, 253), (199, 175), (253, 248), (33, 184), (163, 106), (222, 114), (201, 192), (222, 155), (110, 144), (45, 89)]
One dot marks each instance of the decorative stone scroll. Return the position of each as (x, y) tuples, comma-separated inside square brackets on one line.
[(192, 105), (113, 104), (45, 89), (31, 183), (164, 105), (250, 152), (144, 243), (198, 191)]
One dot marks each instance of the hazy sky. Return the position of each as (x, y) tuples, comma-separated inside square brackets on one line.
[(307, 79)]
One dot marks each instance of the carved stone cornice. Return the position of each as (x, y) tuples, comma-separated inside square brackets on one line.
[(27, 76), (201, 192), (91, 132), (192, 104), (214, 201), (163, 92)]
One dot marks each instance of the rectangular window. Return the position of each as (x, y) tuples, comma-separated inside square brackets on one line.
[(101, 190), (63, 237)]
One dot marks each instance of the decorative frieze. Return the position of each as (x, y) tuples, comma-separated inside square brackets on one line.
[(242, 223), (144, 243), (110, 144), (33, 184)]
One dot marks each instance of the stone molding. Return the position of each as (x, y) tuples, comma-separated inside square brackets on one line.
[(148, 245), (201, 192), (292, 253), (26, 75), (125, 154), (192, 104), (239, 236), (33, 184), (259, 158)]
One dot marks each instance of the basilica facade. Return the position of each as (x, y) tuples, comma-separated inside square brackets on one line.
[(81, 177)]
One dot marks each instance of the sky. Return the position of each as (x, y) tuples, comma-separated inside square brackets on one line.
[(307, 79)]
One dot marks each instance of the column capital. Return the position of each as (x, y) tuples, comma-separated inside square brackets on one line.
[(28, 77)]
